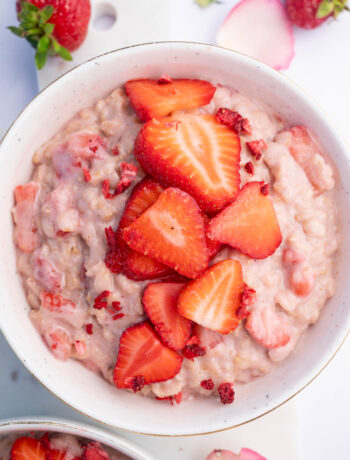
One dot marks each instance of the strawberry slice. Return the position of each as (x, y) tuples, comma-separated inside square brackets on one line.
[(143, 358), (155, 99), (268, 327), (212, 245), (26, 448), (196, 154), (213, 299), (95, 451), (172, 232), (138, 266), (249, 223), (160, 304)]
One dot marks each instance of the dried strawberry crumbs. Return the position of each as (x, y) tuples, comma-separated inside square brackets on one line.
[(164, 79), (177, 398), (226, 393), (114, 260), (242, 312), (264, 189), (137, 383), (88, 329), (105, 189), (101, 300), (93, 148), (207, 384), (256, 148), (193, 351), (234, 121), (248, 296), (115, 150), (110, 237), (61, 233), (118, 316), (128, 176), (116, 305), (87, 175), (249, 167)]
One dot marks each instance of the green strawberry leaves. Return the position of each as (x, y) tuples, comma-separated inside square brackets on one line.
[(328, 7), (205, 3), (36, 29)]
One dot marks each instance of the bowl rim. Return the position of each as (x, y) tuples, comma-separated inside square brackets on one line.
[(75, 428), (279, 75)]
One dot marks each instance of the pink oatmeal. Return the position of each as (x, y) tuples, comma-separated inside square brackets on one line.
[(79, 187)]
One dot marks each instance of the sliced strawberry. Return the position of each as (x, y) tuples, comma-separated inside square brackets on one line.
[(268, 327), (26, 448), (95, 451), (212, 299), (157, 98), (138, 266), (172, 232), (213, 246), (142, 354), (196, 154), (160, 304), (25, 232), (249, 223)]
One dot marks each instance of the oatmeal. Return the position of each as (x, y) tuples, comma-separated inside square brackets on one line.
[(69, 245), (52, 446)]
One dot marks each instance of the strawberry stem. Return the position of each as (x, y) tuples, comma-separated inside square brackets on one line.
[(36, 29)]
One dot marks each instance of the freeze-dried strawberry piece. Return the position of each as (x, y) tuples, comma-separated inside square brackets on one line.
[(212, 299), (157, 98), (249, 167), (137, 383), (249, 224), (226, 393), (172, 232), (194, 153), (56, 303), (141, 353), (177, 398), (25, 231), (194, 350), (114, 260), (128, 175), (234, 121), (160, 304), (207, 384), (256, 148)]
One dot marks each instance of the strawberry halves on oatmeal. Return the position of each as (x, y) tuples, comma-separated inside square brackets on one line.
[(26, 236), (158, 98), (143, 358)]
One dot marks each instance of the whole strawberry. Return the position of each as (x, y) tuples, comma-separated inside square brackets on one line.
[(53, 27), (309, 14)]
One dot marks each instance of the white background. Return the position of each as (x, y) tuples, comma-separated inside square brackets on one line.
[(322, 67)]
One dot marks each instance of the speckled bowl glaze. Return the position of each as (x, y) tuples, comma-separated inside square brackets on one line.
[(69, 381), (43, 425)]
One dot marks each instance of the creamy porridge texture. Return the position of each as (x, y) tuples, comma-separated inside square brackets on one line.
[(54, 446), (81, 304)]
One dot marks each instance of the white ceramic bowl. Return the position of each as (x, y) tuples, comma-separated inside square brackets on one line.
[(78, 387), (43, 425)]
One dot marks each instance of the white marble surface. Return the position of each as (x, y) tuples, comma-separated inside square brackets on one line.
[(322, 67)]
